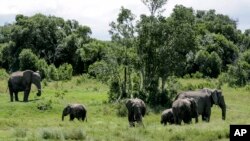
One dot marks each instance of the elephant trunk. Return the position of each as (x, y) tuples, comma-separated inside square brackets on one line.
[(62, 117), (223, 108), (223, 112), (38, 85)]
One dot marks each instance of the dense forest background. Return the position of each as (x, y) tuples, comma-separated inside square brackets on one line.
[(144, 57)]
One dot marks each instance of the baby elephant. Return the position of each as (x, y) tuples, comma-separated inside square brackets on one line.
[(75, 111), (167, 117)]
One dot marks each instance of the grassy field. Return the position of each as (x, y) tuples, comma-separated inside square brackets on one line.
[(25, 122)]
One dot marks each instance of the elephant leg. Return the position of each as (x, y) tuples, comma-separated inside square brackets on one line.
[(71, 117), (83, 117), (26, 95), (131, 119), (16, 96), (11, 96)]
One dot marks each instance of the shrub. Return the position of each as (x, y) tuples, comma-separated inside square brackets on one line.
[(114, 91), (65, 71), (47, 133), (121, 109), (20, 132), (52, 72), (239, 74), (3, 74), (28, 60), (44, 105), (42, 66), (209, 63), (75, 134), (100, 70)]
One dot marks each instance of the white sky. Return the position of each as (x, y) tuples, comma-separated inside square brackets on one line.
[(97, 14)]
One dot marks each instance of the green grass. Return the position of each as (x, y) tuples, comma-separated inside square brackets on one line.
[(25, 122)]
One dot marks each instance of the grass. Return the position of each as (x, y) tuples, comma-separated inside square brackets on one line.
[(25, 122)]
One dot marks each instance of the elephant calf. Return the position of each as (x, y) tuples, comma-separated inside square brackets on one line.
[(136, 110), (185, 109), (167, 117), (75, 111)]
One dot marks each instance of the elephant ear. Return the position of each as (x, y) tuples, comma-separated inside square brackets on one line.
[(214, 94)]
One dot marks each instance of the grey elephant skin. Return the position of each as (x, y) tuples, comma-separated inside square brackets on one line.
[(185, 110), (136, 110), (75, 111), (205, 99), (21, 81), (167, 116)]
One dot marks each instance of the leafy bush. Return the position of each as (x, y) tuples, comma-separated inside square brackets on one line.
[(3, 74), (114, 91), (239, 74), (121, 109), (75, 134), (42, 66), (28, 60), (100, 70), (47, 133), (52, 72), (65, 71), (44, 105), (209, 64)]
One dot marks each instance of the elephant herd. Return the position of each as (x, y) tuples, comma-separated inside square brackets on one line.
[(187, 105), (191, 104)]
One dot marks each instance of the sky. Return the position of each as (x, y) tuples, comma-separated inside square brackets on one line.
[(97, 14)]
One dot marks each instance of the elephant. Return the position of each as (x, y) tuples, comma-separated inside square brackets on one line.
[(185, 109), (75, 111), (21, 81), (205, 99), (167, 117), (136, 110)]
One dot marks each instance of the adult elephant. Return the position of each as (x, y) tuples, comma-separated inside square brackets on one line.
[(75, 111), (21, 81), (205, 99), (136, 110), (185, 109)]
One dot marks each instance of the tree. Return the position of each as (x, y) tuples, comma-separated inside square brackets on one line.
[(154, 5), (123, 33)]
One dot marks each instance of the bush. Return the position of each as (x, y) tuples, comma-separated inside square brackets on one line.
[(42, 66), (239, 74), (3, 74), (52, 72), (44, 105), (114, 91), (28, 60), (100, 70), (209, 63), (121, 109), (65, 71)]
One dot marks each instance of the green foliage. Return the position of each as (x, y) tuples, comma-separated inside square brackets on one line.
[(209, 64), (3, 74), (53, 72), (44, 105), (28, 60), (114, 91), (42, 67), (65, 71), (121, 109), (100, 70)]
